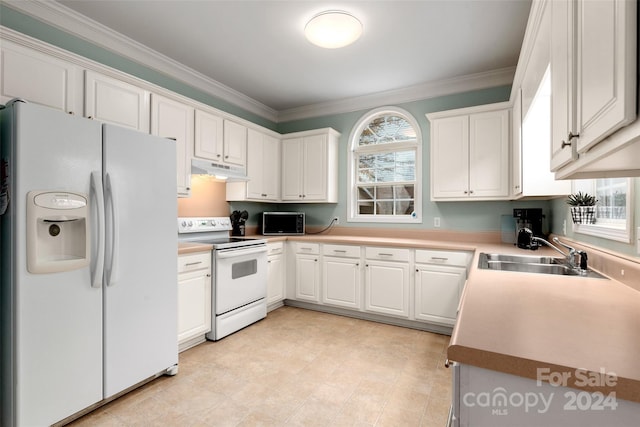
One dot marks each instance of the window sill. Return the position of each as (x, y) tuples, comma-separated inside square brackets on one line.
[(386, 220), (604, 232)]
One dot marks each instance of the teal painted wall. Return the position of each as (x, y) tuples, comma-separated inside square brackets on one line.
[(36, 29), (454, 215), (561, 213)]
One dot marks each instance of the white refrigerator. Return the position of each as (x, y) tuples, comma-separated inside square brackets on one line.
[(88, 265)]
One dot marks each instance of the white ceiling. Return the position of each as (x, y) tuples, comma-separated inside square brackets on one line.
[(258, 48)]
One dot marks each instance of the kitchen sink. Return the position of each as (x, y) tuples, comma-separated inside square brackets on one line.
[(532, 264)]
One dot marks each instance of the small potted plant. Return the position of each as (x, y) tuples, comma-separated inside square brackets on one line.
[(583, 208)]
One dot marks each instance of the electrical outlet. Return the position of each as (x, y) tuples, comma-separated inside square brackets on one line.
[(564, 227), (638, 240), (436, 221), (336, 220)]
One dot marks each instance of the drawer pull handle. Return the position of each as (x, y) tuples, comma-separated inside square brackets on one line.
[(384, 254), (439, 258), (341, 251), (306, 249), (447, 363), (192, 263)]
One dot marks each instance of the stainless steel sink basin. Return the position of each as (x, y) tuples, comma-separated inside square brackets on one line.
[(532, 264), (524, 259)]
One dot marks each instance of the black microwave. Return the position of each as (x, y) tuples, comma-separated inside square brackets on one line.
[(282, 223)]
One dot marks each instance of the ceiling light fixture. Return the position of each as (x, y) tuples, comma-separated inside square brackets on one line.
[(333, 29)]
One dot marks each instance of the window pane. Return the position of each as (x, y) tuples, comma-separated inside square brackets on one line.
[(385, 193), (365, 208), (384, 208), (366, 193), (387, 129), (404, 207), (612, 199), (404, 191)]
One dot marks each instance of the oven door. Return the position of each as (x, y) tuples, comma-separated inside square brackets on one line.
[(240, 277)]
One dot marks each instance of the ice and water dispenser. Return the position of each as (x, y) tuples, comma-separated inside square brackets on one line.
[(57, 231)]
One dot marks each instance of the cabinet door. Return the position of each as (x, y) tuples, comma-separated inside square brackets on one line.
[(314, 167), (516, 145), (438, 291), (172, 119), (606, 68), (341, 282), (209, 136), (450, 157), (271, 168), (489, 154), (235, 143), (194, 305), (113, 101), (255, 165), (38, 78), (387, 288), (292, 169), (562, 89), (275, 279), (308, 278)]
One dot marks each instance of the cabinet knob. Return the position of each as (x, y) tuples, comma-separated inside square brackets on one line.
[(90, 117), (471, 192), (208, 275), (217, 155), (226, 157), (72, 113), (466, 192)]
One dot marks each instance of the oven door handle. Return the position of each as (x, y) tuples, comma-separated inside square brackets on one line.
[(233, 253)]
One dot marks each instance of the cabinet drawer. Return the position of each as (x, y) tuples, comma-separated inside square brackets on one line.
[(308, 248), (387, 254), (199, 261), (443, 257), (346, 251), (275, 248)]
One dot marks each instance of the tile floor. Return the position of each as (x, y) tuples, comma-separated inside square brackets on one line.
[(301, 368)]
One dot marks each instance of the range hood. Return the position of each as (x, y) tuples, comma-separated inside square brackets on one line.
[(222, 172)]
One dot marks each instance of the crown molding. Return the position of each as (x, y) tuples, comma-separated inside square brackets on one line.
[(69, 21), (500, 77), (78, 25)]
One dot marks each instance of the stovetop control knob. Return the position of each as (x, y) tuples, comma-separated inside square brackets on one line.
[(190, 223), (213, 222), (183, 224)]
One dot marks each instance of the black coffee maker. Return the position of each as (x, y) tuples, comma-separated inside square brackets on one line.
[(528, 225)]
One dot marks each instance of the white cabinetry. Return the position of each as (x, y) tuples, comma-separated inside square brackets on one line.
[(173, 119), (309, 166), (470, 153), (593, 67), (263, 170), (440, 278), (37, 77), (341, 284), (307, 272), (275, 273), (209, 136), (387, 281), (194, 298), (235, 144), (114, 101)]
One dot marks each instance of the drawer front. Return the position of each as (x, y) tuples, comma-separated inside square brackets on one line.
[(193, 262), (307, 248), (275, 248), (443, 257), (346, 251), (387, 254)]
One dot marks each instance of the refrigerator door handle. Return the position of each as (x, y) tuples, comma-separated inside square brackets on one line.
[(96, 189), (112, 271)]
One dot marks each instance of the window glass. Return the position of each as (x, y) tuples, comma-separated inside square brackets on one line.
[(385, 168)]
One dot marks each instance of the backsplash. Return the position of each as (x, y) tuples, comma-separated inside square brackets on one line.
[(208, 198)]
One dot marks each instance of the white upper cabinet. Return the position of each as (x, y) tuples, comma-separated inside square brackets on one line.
[(37, 77), (310, 166), (516, 146), (470, 153), (209, 139), (263, 166), (113, 101), (593, 66), (235, 143), (175, 120)]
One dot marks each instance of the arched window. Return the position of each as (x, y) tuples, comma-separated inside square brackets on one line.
[(385, 159)]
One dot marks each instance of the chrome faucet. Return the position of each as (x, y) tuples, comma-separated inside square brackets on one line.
[(571, 257)]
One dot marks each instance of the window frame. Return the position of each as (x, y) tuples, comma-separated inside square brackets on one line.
[(353, 154), (602, 230)]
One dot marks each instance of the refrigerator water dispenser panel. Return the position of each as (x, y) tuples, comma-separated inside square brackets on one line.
[(57, 231)]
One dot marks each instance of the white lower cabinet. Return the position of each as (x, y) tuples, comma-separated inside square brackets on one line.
[(307, 277), (341, 284), (438, 290), (275, 273), (194, 298), (387, 281)]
